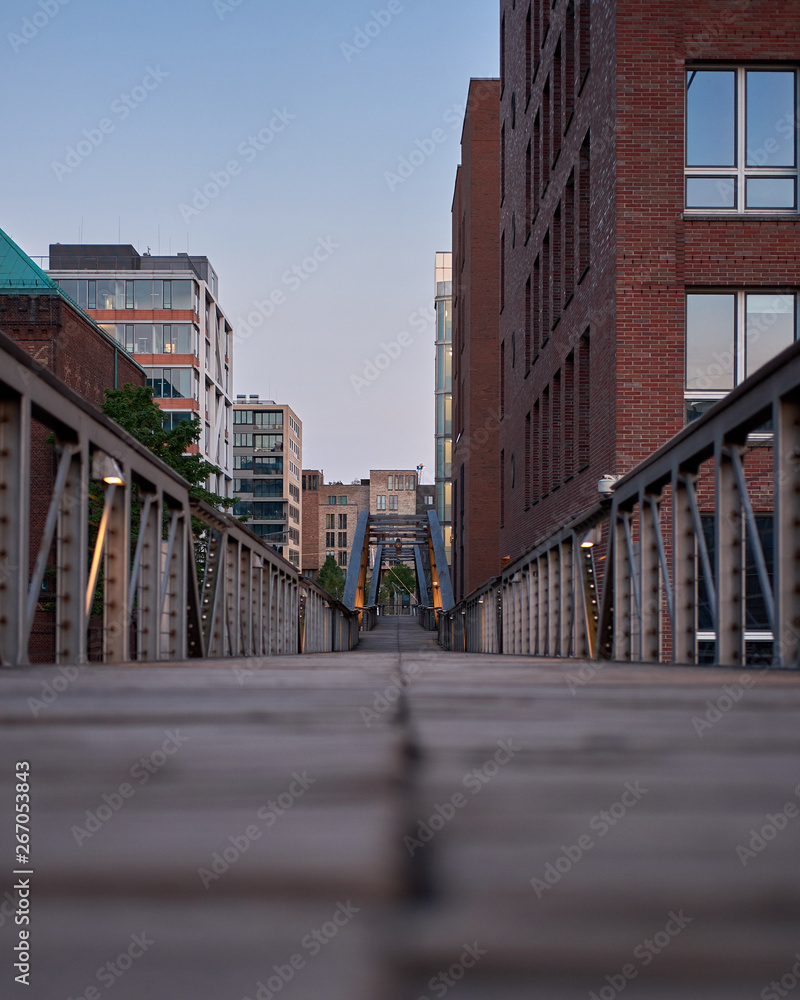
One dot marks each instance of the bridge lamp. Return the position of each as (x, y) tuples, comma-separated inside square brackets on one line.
[(591, 538), (107, 469)]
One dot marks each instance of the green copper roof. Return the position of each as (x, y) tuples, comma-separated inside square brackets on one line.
[(18, 271)]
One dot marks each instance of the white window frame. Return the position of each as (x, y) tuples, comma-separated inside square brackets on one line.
[(741, 172)]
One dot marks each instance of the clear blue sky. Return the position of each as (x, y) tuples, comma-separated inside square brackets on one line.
[(180, 87)]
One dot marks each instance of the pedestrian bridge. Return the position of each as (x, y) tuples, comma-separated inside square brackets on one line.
[(246, 789)]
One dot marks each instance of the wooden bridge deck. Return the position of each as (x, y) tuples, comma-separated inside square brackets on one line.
[(366, 826)]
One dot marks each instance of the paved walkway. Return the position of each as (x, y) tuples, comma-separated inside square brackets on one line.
[(366, 827)]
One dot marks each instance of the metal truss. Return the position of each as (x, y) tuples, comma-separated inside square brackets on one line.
[(160, 596)]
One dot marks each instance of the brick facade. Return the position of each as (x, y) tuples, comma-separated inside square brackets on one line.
[(599, 251), (476, 265)]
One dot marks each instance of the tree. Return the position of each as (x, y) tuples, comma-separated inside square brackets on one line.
[(331, 578), (398, 579), (134, 409)]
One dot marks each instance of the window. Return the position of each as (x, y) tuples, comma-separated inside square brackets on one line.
[(242, 461), (268, 487), (243, 416), (393, 502), (268, 443), (343, 501), (343, 521), (342, 539), (741, 139), (380, 503), (330, 539), (170, 383), (330, 521), (171, 418), (398, 482), (243, 486), (331, 500), (728, 336), (269, 418), (342, 558), (411, 481)]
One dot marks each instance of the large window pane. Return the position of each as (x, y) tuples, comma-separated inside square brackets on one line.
[(770, 192), (69, 287), (178, 338), (770, 118), (181, 381), (143, 339), (110, 294), (181, 295), (710, 353), (147, 295), (770, 326), (711, 118), (711, 192)]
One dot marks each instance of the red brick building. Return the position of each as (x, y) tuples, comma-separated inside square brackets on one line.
[(476, 405), (649, 231), (36, 313)]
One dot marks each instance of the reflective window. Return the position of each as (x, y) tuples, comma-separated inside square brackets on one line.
[(729, 335), (741, 139), (110, 294), (172, 418), (170, 383), (711, 118), (710, 333), (770, 118), (769, 328)]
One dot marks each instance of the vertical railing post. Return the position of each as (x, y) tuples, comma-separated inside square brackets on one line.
[(622, 593), (71, 569), (15, 468), (729, 560), (116, 623), (786, 569), (650, 581), (684, 573)]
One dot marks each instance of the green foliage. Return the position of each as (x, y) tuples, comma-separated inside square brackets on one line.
[(331, 578), (397, 580), (134, 409)]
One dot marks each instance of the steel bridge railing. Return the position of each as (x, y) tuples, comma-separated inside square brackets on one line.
[(165, 577), (678, 527)]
